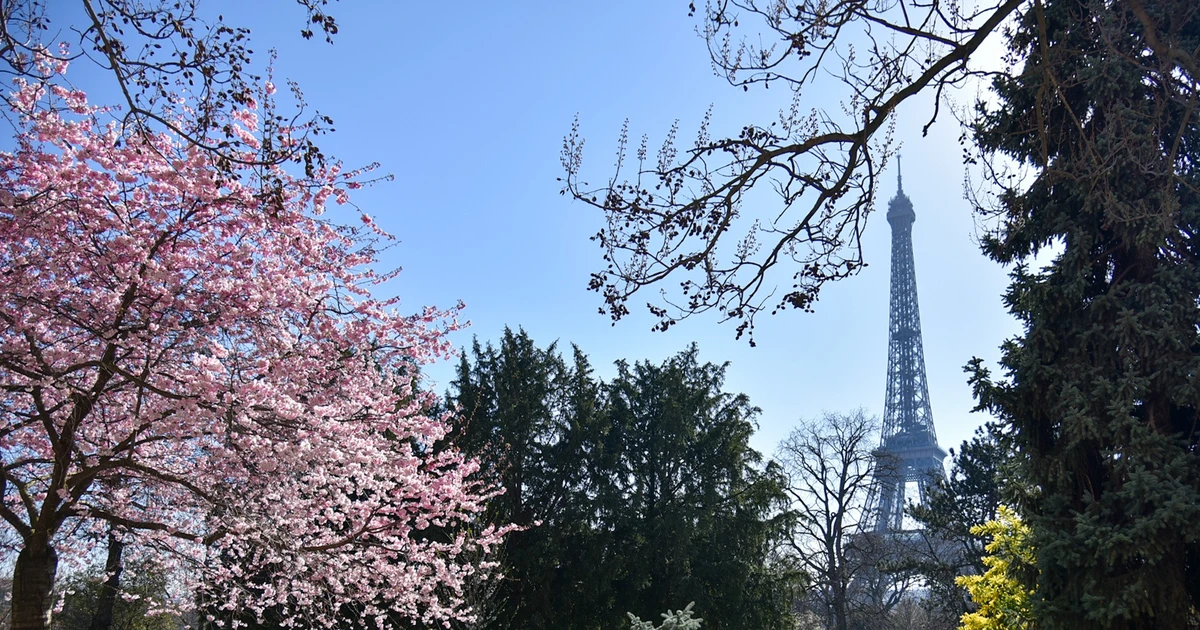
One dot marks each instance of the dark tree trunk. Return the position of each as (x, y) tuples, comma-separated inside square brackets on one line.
[(103, 617), (33, 581), (840, 607)]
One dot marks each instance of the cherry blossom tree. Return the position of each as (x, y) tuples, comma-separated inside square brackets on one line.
[(191, 360)]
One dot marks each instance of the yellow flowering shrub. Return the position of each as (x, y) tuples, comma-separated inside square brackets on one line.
[(1004, 602)]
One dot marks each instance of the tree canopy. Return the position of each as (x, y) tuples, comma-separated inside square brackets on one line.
[(177, 70), (636, 493), (983, 471), (194, 360), (1101, 391)]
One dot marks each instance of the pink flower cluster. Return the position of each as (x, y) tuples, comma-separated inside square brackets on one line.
[(191, 354)]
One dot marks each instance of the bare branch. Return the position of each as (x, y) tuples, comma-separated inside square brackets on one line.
[(675, 218)]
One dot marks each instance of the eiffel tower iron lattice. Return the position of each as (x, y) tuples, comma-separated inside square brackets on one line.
[(908, 453)]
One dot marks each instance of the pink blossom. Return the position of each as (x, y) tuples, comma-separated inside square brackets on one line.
[(204, 351)]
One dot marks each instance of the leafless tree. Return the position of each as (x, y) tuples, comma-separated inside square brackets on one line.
[(912, 614), (679, 215), (830, 463)]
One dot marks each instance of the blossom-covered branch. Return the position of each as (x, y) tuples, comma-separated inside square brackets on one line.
[(191, 360)]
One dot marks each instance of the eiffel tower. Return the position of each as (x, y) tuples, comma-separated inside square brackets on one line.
[(908, 458)]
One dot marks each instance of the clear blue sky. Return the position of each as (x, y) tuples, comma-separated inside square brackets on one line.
[(467, 104)]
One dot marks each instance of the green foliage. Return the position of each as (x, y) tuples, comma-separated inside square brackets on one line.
[(1102, 389), (637, 493), (982, 467), (141, 586), (677, 620), (1001, 594)]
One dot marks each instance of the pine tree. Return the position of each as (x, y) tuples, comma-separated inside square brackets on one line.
[(1102, 388)]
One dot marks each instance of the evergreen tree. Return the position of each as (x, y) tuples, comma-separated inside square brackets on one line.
[(636, 494), (696, 508), (144, 587), (507, 419), (971, 496), (1102, 388)]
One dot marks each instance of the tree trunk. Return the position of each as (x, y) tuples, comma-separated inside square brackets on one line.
[(33, 581), (840, 608), (103, 617)]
